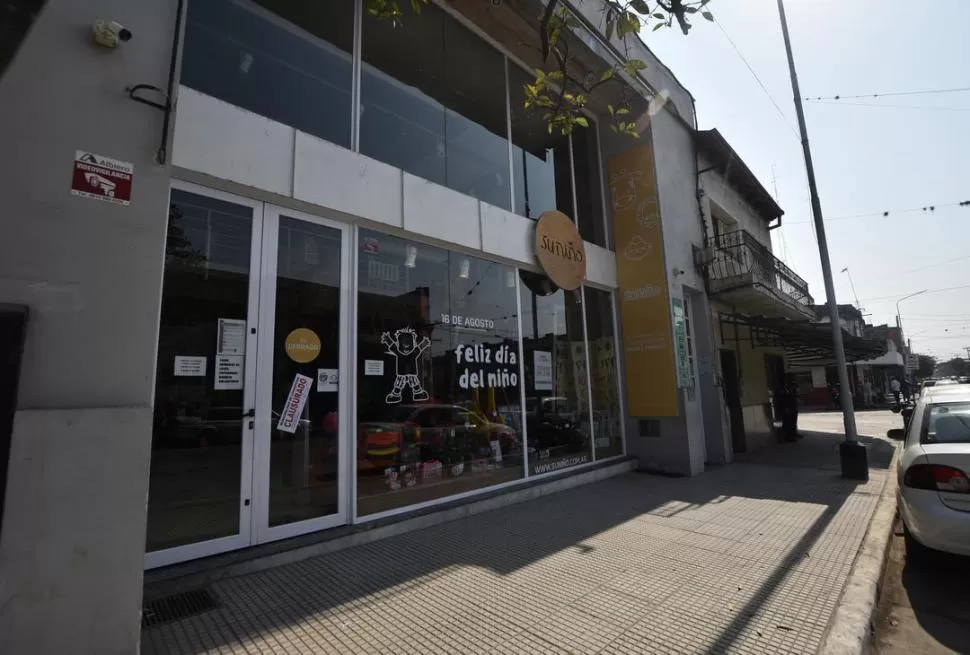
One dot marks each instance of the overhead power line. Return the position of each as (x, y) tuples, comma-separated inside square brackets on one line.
[(884, 106), (891, 93), (897, 296), (757, 79), (887, 213)]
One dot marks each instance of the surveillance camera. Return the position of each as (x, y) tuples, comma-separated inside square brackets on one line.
[(108, 33)]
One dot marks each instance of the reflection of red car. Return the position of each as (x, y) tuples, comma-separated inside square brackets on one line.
[(429, 426)]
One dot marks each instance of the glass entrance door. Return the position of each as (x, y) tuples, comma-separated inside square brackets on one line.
[(300, 455), (200, 482), (249, 441)]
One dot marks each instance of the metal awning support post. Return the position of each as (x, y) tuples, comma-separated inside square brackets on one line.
[(854, 455)]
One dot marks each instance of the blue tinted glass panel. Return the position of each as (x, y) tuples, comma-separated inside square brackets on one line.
[(433, 104), (286, 60)]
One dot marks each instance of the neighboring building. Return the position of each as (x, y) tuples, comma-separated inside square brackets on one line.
[(871, 352), (308, 297), (754, 296)]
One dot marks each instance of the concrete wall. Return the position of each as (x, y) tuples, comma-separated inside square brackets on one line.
[(227, 147), (74, 527), (678, 444), (725, 198)]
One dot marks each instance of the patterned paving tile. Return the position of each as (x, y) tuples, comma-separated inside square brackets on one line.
[(748, 558)]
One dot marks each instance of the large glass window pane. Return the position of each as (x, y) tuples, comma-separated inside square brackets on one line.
[(433, 104), (589, 186), (303, 472), (288, 60), (540, 161), (194, 482), (438, 401), (557, 403), (602, 372)]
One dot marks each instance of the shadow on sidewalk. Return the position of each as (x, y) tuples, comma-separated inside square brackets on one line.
[(575, 528)]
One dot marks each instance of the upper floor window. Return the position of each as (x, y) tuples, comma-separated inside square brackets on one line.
[(435, 100), (433, 104), (288, 60)]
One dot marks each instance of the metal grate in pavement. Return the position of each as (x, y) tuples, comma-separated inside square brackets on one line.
[(177, 606)]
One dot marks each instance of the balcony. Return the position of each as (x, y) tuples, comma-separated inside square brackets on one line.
[(742, 271)]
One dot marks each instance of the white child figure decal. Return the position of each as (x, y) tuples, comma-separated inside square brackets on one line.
[(404, 347)]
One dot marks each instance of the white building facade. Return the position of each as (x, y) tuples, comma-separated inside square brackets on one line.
[(292, 287)]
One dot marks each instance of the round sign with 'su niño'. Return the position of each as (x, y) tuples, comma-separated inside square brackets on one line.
[(560, 250)]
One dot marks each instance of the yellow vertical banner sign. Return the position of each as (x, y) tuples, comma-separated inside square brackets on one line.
[(651, 380)]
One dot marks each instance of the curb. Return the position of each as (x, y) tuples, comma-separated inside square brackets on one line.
[(850, 632)]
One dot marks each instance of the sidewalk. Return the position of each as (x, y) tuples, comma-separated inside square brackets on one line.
[(747, 558)]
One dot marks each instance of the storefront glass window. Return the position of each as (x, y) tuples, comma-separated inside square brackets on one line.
[(197, 436), (557, 407), (288, 60), (589, 186), (602, 373), (540, 161), (438, 400), (433, 104)]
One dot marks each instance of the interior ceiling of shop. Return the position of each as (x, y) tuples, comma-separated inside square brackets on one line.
[(515, 25)]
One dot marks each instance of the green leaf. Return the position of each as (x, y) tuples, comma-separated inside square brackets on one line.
[(581, 120), (658, 26), (708, 15), (607, 74), (640, 5), (660, 16)]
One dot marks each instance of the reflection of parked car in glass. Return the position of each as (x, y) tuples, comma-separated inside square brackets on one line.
[(217, 426), (445, 432), (552, 423)]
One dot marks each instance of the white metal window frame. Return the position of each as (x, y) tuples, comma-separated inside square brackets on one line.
[(243, 538), (254, 528)]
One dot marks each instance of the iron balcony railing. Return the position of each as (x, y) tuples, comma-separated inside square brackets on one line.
[(737, 259)]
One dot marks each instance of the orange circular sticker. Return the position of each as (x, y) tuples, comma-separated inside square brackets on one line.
[(302, 345)]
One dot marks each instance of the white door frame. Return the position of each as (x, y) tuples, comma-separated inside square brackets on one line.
[(155, 559), (261, 530)]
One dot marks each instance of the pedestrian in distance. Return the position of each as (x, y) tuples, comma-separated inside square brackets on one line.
[(896, 388)]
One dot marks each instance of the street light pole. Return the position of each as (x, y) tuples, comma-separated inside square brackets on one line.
[(899, 318), (852, 454), (852, 285)]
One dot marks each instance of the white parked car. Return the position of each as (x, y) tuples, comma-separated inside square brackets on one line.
[(934, 472)]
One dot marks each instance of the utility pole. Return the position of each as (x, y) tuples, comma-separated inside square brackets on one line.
[(967, 348), (853, 455)]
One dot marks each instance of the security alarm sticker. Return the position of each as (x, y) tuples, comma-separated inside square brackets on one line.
[(295, 402), (102, 178)]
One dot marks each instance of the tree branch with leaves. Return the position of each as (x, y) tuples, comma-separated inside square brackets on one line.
[(559, 95)]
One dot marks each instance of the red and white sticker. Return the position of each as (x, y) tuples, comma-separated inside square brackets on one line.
[(295, 402), (102, 178)]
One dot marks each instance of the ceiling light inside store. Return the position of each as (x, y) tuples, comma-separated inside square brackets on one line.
[(411, 257), (465, 269), (510, 279)]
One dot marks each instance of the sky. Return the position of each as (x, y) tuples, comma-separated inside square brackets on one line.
[(868, 159)]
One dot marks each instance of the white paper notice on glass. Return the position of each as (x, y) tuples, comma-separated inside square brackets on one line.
[(231, 339), (189, 367), (542, 368), (373, 367), (229, 373), (295, 402), (327, 379)]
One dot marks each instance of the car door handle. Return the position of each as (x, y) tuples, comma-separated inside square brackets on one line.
[(250, 414)]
